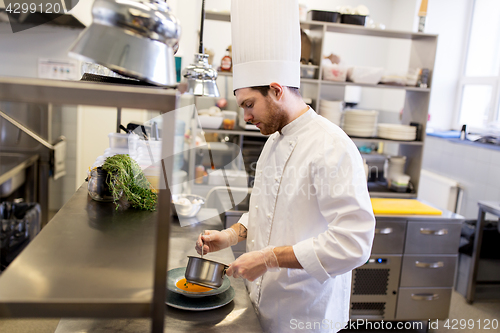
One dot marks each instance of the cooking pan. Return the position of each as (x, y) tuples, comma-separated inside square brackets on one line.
[(204, 272)]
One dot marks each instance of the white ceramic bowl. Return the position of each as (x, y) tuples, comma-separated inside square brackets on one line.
[(209, 122), (187, 205)]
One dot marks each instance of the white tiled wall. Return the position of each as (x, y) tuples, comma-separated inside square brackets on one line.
[(476, 169)]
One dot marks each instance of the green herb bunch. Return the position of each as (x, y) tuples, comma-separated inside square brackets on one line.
[(126, 175)]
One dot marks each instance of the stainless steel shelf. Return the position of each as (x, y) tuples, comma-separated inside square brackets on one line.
[(409, 143), (86, 93), (355, 139), (338, 27), (234, 132), (382, 86), (346, 83), (364, 31)]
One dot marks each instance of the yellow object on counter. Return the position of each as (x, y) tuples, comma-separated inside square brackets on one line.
[(383, 206)]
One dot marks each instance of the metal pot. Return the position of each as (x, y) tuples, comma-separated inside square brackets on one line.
[(204, 272)]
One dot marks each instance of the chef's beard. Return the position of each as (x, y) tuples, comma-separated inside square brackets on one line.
[(276, 118)]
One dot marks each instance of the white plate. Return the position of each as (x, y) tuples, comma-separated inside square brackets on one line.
[(358, 133), (362, 112), (397, 137), (330, 103)]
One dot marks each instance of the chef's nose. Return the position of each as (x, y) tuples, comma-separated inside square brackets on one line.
[(247, 116)]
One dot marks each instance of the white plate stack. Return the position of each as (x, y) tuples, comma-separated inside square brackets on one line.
[(331, 110), (397, 132), (362, 123)]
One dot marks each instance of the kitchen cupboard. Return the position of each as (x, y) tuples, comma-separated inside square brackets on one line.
[(416, 103)]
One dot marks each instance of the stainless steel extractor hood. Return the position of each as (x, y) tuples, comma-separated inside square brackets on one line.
[(23, 21)]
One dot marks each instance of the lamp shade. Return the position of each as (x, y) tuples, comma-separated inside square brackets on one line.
[(135, 38), (201, 77)]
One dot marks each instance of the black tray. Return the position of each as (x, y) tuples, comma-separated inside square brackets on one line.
[(353, 19), (324, 16)]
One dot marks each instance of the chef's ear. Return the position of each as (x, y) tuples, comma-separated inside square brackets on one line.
[(276, 90)]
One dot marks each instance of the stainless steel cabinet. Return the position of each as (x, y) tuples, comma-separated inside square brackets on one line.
[(389, 236), (423, 303), (411, 270), (423, 271), (432, 237), (427, 274)]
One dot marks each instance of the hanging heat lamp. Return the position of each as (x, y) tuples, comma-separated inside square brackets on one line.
[(201, 77)]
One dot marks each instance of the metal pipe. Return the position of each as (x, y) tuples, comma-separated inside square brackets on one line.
[(26, 130), (118, 119), (201, 50)]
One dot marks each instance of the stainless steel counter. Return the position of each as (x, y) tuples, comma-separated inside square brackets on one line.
[(93, 261)]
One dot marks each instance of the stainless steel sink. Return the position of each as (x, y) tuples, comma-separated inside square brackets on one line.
[(12, 171)]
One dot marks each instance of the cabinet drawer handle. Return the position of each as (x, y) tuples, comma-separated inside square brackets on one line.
[(424, 297), (383, 231), (433, 232), (437, 264)]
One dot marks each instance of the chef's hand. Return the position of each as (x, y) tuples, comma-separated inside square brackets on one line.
[(214, 240), (253, 264)]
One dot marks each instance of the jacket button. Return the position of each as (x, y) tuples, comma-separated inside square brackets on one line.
[(256, 207), (269, 215)]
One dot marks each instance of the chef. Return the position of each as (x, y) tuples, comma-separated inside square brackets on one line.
[(310, 220)]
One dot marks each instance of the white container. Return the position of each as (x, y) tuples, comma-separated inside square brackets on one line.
[(118, 140), (395, 168), (334, 72), (209, 122), (366, 75)]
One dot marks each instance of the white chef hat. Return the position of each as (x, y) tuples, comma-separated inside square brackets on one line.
[(265, 43)]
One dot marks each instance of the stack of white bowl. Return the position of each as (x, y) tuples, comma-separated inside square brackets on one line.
[(397, 132), (362, 123), (331, 110)]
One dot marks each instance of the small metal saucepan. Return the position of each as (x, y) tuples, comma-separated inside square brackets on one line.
[(204, 272)]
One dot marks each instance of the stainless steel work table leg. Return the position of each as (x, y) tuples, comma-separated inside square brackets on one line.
[(484, 207)]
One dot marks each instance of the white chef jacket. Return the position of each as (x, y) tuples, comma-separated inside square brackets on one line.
[(310, 192)]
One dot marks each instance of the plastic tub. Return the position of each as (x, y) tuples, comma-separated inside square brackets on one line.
[(324, 16), (229, 119), (308, 71), (118, 140), (334, 72), (353, 19)]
